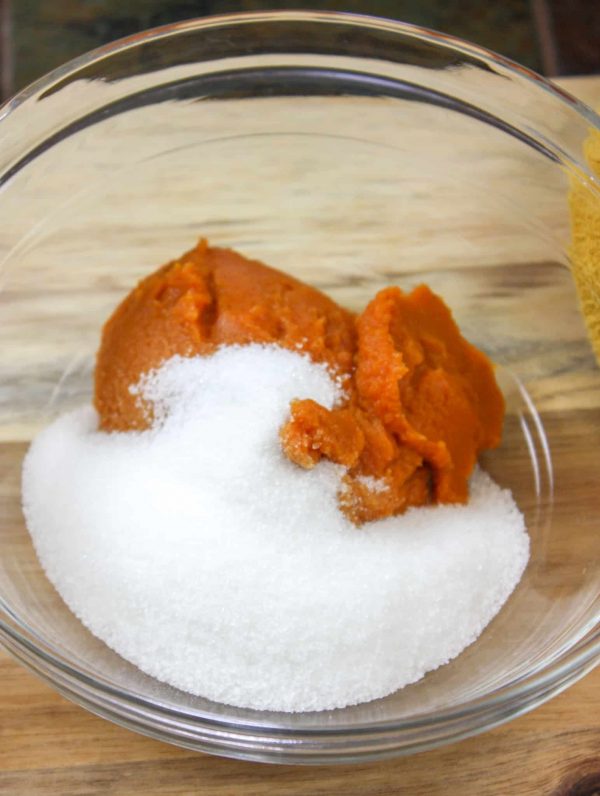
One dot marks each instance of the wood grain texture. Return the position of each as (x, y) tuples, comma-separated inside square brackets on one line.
[(53, 748)]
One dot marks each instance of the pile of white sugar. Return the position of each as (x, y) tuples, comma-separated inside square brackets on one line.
[(197, 551)]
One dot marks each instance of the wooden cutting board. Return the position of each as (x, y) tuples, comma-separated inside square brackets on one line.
[(50, 747)]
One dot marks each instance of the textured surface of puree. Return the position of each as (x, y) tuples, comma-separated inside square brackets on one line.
[(420, 402)]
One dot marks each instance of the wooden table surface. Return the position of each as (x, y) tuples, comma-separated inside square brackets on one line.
[(50, 746)]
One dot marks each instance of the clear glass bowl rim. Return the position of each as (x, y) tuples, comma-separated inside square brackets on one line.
[(492, 709)]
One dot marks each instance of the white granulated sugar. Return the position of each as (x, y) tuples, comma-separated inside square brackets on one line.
[(375, 485), (197, 551)]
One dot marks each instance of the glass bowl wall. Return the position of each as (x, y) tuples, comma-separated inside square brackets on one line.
[(354, 153)]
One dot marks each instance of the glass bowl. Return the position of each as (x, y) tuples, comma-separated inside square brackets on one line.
[(354, 153)]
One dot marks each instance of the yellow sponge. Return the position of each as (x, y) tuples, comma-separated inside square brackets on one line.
[(585, 246)]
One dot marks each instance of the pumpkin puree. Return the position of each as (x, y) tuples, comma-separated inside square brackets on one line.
[(421, 404)]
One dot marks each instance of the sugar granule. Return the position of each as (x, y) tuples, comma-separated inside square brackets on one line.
[(375, 485), (197, 551)]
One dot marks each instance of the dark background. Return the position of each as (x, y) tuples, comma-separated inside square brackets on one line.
[(551, 36)]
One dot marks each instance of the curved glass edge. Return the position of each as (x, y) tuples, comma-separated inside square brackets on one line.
[(326, 17), (583, 654), (344, 745), (496, 63)]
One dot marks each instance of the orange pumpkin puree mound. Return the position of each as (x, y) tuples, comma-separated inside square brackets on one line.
[(421, 401), (433, 391), (206, 298)]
